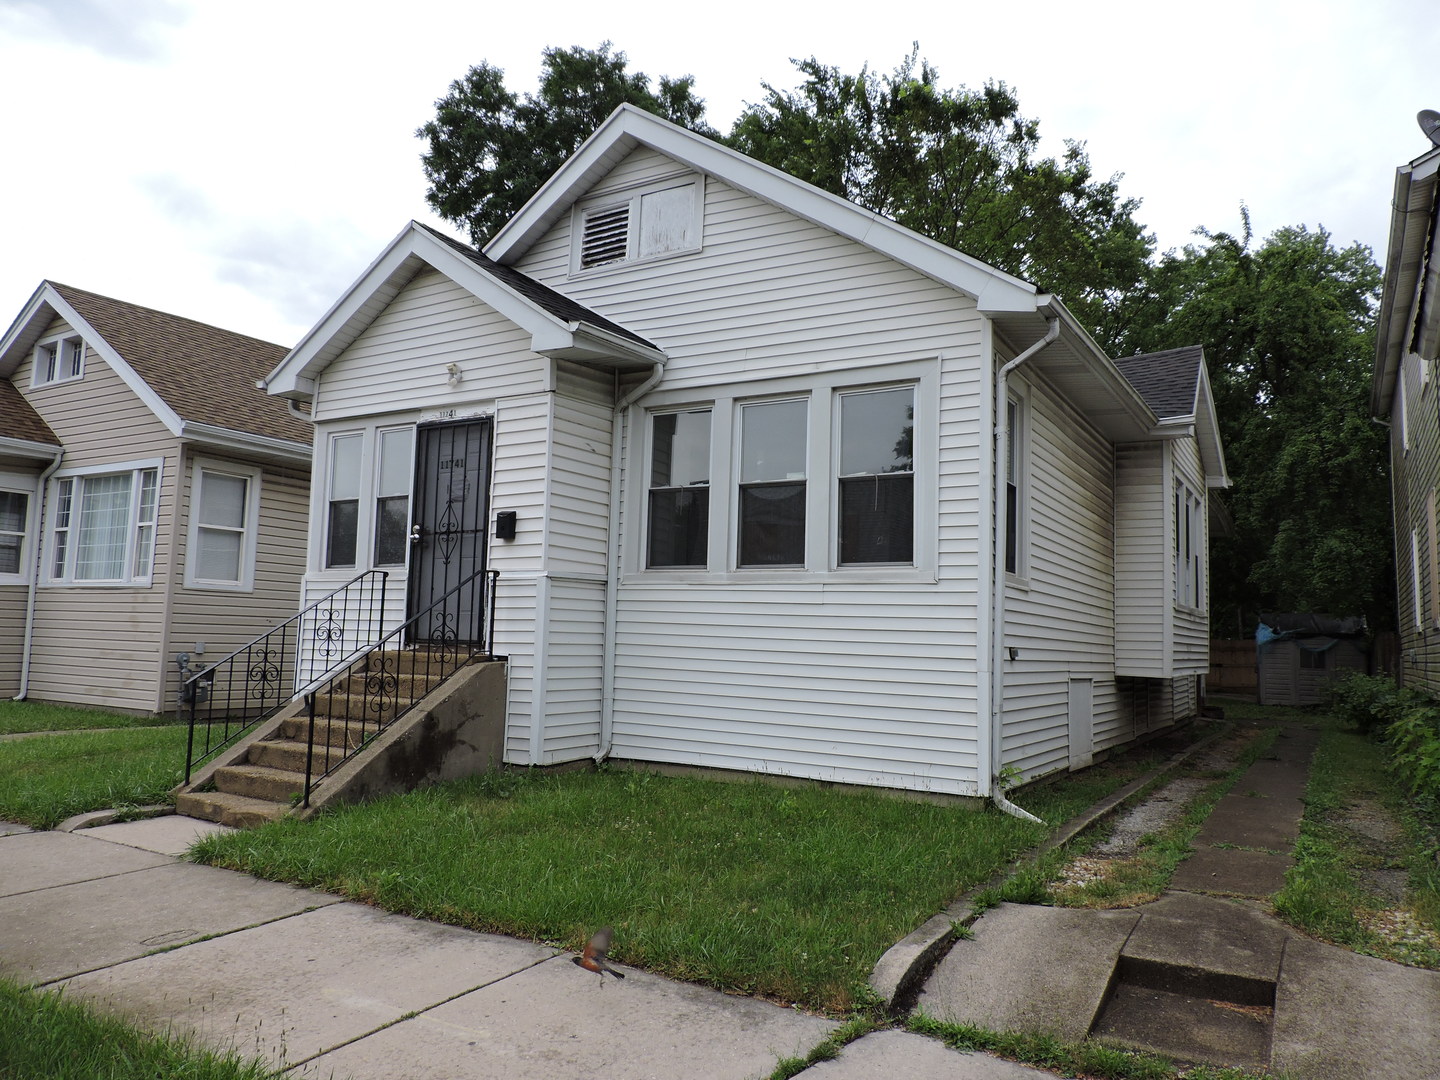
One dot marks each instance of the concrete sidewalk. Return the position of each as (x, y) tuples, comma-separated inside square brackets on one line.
[(330, 988)]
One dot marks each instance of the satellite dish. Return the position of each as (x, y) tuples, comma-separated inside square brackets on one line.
[(1429, 121)]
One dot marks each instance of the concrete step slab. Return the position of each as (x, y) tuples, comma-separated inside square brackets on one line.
[(892, 1055), (1030, 969), (1204, 934), (172, 834), (558, 1020), (287, 754), (261, 782), (1232, 872), (1343, 1016), (59, 932), (237, 811), (1185, 1028), (43, 860)]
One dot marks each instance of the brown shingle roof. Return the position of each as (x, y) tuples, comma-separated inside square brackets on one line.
[(207, 375), (1168, 381), (19, 420)]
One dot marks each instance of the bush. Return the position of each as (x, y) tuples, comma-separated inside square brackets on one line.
[(1409, 722)]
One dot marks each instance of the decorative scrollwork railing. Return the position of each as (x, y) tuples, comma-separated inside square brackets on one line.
[(350, 709), (227, 699)]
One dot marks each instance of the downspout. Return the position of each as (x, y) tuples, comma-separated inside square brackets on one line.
[(997, 593), (35, 577), (612, 559)]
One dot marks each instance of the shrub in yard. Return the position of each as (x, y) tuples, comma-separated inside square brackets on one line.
[(1408, 720), (1368, 702)]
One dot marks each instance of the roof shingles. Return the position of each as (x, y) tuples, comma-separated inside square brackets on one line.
[(205, 374), (1169, 381)]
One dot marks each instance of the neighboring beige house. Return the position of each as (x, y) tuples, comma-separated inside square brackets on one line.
[(1404, 392), (772, 484), (152, 500)]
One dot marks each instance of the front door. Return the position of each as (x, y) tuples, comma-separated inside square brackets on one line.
[(448, 537)]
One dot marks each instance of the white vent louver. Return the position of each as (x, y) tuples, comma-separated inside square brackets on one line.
[(605, 236)]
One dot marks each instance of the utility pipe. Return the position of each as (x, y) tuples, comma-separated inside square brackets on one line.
[(997, 593), (612, 559), (43, 486)]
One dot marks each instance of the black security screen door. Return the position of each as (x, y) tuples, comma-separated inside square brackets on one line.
[(452, 509)]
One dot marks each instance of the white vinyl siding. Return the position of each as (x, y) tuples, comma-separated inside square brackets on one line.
[(1190, 649), (1141, 558), (863, 681)]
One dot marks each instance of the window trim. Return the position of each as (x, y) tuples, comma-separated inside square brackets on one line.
[(18, 484), (370, 435), (58, 341), (838, 395), (648, 479), (630, 197), (67, 578), (821, 544), (1017, 445), (1190, 547), (249, 532)]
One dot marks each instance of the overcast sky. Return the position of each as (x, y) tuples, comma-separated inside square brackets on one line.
[(242, 161)]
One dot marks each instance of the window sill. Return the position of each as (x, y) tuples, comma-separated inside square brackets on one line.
[(790, 576), (96, 584), (220, 586)]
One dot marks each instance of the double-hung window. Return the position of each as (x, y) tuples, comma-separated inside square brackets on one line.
[(679, 489), (223, 526), (392, 495), (773, 452), (59, 360), (14, 530), (102, 527), (1014, 485), (369, 475), (877, 476), (1189, 548), (342, 523)]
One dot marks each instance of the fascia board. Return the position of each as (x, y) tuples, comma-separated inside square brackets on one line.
[(1404, 263), (210, 435), (12, 350), (28, 448), (1125, 394), (992, 289), (46, 296)]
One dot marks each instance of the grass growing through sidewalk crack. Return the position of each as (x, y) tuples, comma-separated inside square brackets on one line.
[(44, 1036), (787, 893), (827, 1050)]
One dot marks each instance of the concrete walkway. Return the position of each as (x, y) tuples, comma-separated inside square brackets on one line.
[(330, 988), (1204, 974)]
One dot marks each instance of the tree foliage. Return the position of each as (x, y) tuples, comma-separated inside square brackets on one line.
[(1288, 332), (490, 149), (962, 167)]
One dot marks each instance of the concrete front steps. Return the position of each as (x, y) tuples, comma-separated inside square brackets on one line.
[(455, 729)]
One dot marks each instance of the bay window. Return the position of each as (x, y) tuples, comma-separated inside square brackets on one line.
[(102, 528)]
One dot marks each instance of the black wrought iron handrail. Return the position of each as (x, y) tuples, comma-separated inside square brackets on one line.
[(230, 697), (392, 677)]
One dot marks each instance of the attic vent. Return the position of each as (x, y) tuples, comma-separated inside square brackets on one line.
[(605, 235)]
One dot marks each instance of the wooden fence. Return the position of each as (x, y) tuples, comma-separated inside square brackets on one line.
[(1232, 667)]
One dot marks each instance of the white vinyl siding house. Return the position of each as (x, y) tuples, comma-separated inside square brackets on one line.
[(750, 452), (117, 503)]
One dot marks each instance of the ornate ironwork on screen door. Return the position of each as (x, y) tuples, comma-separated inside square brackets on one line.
[(448, 539)]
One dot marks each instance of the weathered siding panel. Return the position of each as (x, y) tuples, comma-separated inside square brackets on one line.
[(574, 668), (579, 514), (1141, 558)]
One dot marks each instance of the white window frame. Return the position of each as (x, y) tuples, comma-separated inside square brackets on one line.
[(16, 484), (368, 494), (56, 350), (136, 553), (839, 395), (1191, 586), (823, 392), (631, 199), (650, 487), (249, 530), (1017, 449)]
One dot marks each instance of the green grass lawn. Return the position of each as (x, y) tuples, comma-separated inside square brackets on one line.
[(19, 716), (790, 893), (45, 1037), (47, 779)]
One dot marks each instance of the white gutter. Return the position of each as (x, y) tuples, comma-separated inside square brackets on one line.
[(989, 779), (35, 577), (612, 558)]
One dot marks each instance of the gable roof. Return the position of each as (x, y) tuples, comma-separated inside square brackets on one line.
[(1409, 316), (199, 380), (629, 127), (558, 326), (1175, 383)]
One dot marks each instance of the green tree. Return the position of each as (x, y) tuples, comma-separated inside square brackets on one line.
[(490, 149), (1288, 332), (962, 167)]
